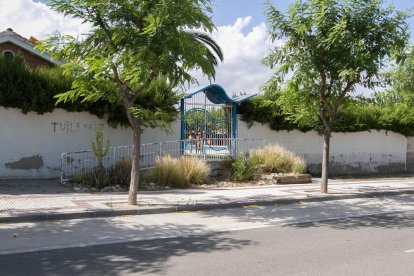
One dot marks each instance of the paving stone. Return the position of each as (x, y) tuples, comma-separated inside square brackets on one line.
[(12, 205)]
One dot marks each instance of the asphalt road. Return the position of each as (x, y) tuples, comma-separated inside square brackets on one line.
[(335, 238)]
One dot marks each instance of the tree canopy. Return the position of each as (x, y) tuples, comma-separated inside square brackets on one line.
[(401, 84), (143, 46)]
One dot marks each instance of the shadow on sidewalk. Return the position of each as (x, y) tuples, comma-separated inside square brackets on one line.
[(38, 186)]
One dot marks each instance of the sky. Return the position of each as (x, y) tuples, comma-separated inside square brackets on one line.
[(241, 33)]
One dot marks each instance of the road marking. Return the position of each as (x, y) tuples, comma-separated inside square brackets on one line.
[(409, 251)]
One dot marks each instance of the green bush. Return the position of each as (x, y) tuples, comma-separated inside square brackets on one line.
[(239, 168), (100, 177), (226, 169), (96, 178), (246, 168), (254, 167), (358, 114), (299, 165), (179, 172), (120, 174), (35, 89), (269, 159), (276, 159)]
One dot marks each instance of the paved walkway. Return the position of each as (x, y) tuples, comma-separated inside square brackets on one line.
[(40, 200)]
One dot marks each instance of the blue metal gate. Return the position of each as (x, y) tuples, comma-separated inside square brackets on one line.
[(209, 121)]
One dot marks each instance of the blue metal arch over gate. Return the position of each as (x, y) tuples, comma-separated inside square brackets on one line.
[(216, 94)]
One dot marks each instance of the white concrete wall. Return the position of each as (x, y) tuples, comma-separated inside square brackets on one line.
[(410, 154), (356, 153), (31, 144)]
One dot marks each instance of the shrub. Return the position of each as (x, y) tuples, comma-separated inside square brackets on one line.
[(121, 173), (96, 178), (196, 170), (239, 167), (299, 165), (179, 172), (226, 169), (100, 177), (270, 159), (388, 111), (276, 159), (35, 90), (245, 167), (254, 167)]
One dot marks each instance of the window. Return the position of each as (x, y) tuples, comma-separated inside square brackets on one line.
[(8, 54)]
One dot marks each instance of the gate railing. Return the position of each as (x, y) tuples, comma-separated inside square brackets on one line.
[(73, 163)]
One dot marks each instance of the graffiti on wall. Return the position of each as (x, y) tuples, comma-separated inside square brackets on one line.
[(73, 127)]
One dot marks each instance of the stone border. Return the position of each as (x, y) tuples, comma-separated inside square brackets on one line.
[(278, 178)]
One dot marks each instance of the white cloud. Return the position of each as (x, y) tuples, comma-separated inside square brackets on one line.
[(28, 18), (241, 70)]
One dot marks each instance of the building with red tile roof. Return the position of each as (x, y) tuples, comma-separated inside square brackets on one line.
[(12, 43)]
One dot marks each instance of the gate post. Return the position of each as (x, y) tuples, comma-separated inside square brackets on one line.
[(234, 129), (182, 134)]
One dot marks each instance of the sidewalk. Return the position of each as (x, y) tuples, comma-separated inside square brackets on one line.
[(47, 200)]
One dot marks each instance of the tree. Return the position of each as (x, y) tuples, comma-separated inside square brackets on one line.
[(329, 47), (136, 53), (401, 80)]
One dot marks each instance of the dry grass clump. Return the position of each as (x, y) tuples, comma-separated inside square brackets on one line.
[(269, 159), (180, 172), (276, 159)]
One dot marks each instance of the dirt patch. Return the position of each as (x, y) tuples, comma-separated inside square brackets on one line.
[(270, 179), (34, 162), (29, 186)]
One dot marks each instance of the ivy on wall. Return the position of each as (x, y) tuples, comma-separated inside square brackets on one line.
[(356, 115), (34, 90)]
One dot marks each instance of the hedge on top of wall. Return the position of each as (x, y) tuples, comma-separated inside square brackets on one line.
[(356, 115), (34, 90)]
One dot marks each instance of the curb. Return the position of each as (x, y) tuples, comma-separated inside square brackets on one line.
[(182, 208)]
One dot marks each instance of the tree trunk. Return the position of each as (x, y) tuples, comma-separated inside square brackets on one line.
[(128, 101), (136, 153), (325, 161)]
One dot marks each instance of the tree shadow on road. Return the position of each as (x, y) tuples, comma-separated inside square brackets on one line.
[(390, 220), (340, 214), (124, 258), (120, 256)]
